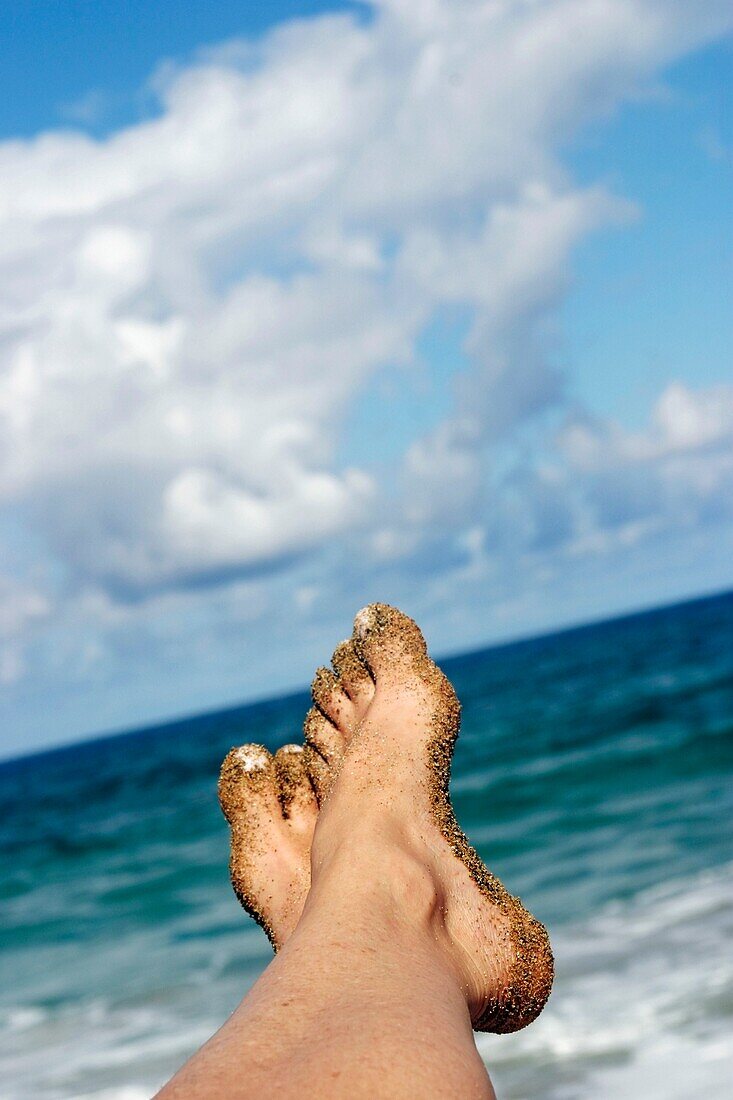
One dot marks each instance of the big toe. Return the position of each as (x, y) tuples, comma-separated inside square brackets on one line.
[(248, 788), (389, 642), (248, 794)]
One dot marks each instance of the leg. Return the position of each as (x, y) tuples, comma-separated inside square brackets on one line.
[(364, 999)]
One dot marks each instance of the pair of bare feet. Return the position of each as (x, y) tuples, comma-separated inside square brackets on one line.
[(370, 785)]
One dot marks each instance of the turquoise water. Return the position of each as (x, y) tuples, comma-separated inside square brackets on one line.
[(595, 775)]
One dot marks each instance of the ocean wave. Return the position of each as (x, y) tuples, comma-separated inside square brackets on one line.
[(642, 1008), (641, 987), (124, 947)]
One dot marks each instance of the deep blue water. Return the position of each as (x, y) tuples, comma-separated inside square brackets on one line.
[(594, 773)]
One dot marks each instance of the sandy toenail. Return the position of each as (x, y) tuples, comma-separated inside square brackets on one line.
[(253, 758), (363, 621)]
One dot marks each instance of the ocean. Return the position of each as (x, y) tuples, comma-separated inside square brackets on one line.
[(594, 773)]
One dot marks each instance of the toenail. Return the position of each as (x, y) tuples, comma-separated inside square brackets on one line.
[(362, 622), (253, 757)]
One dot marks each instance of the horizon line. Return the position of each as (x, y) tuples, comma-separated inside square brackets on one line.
[(258, 700)]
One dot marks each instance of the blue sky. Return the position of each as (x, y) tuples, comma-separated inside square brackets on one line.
[(91, 61), (426, 303), (667, 278)]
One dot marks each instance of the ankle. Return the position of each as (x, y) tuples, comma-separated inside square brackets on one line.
[(379, 875), (373, 867)]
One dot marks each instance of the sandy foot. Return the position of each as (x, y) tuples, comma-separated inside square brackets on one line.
[(378, 747)]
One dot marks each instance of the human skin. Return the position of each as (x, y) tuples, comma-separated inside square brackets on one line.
[(397, 943)]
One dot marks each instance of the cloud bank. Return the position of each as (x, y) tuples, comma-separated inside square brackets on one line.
[(191, 309)]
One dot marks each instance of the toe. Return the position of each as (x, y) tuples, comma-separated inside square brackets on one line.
[(320, 733), (248, 788), (387, 640), (297, 796), (248, 793), (353, 675), (319, 772), (331, 699), (323, 751)]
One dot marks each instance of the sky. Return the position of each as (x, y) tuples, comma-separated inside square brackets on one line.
[(304, 306)]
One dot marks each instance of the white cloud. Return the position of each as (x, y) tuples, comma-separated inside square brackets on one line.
[(676, 472), (682, 422), (191, 305), (21, 606)]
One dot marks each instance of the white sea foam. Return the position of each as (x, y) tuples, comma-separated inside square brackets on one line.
[(642, 1005), (642, 1009), (119, 1092), (18, 1019)]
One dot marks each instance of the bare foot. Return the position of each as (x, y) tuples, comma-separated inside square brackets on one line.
[(379, 745), (271, 807)]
